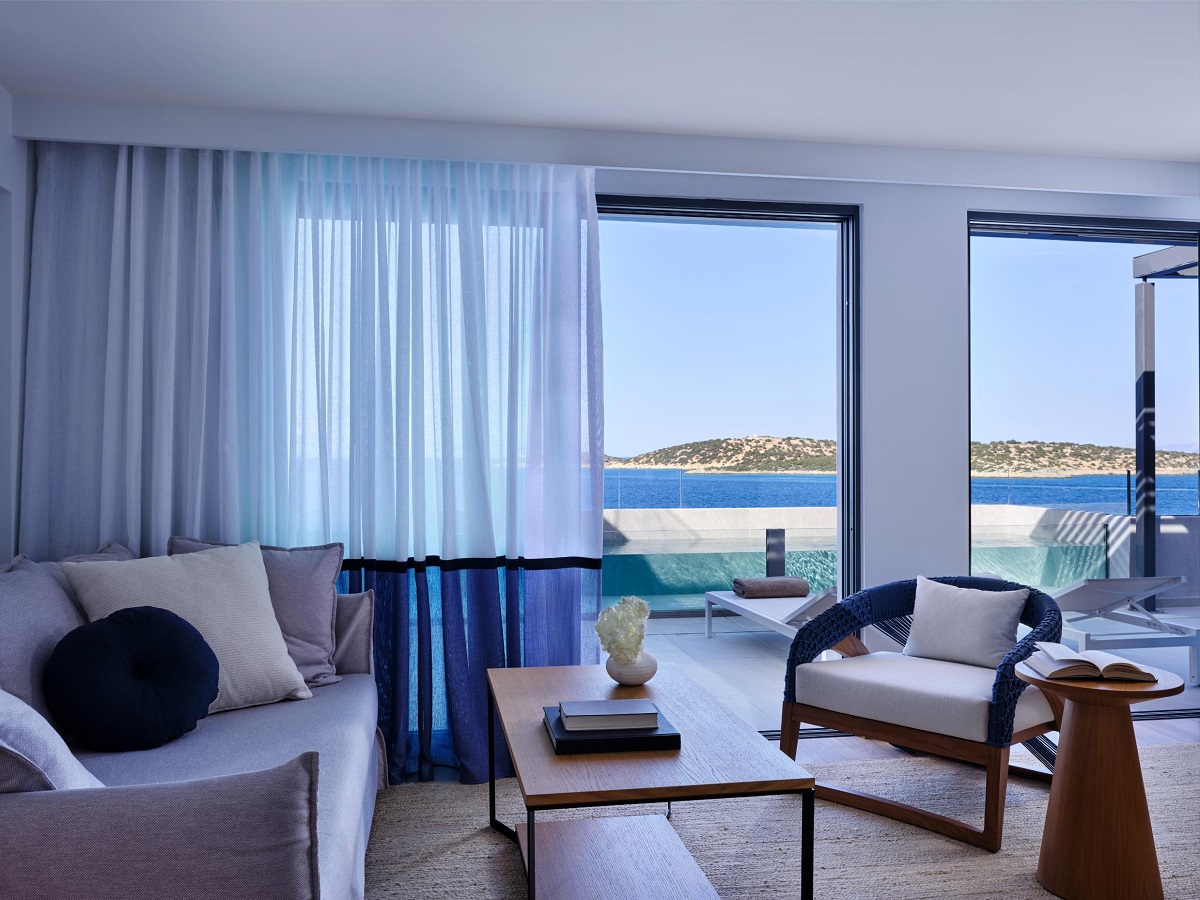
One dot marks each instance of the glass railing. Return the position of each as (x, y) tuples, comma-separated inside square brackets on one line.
[(1176, 494), (672, 569), (1046, 556), (638, 489), (672, 558)]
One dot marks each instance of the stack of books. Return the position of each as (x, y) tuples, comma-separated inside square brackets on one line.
[(608, 726)]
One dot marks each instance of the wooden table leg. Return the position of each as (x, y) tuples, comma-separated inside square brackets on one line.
[(1098, 842)]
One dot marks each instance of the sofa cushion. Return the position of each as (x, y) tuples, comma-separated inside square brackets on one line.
[(928, 694), (223, 593), (338, 723), (303, 594), (131, 681), (354, 654), (33, 757), (110, 552), (35, 613), (964, 625)]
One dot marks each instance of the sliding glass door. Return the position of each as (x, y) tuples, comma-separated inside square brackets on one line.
[(1054, 406), (725, 343)]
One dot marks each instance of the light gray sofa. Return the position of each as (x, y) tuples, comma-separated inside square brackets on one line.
[(267, 802)]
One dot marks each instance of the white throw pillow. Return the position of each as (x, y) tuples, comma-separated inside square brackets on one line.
[(224, 593), (963, 624), (33, 757)]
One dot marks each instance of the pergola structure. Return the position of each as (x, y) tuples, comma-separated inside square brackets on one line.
[(1171, 262)]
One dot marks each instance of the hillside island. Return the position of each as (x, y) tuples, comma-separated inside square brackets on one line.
[(815, 456)]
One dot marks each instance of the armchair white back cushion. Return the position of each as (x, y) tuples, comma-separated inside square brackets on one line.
[(964, 625)]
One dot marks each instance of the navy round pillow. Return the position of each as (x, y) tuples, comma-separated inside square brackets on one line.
[(131, 681)]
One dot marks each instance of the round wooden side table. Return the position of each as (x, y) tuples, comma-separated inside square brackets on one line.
[(1098, 842)]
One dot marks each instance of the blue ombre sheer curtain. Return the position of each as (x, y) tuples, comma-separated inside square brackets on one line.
[(401, 355)]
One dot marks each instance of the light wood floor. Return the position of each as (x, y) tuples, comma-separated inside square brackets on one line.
[(742, 665)]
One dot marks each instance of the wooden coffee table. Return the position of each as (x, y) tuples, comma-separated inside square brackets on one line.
[(1098, 842), (628, 856)]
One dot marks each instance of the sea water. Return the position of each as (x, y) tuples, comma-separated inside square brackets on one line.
[(1176, 495)]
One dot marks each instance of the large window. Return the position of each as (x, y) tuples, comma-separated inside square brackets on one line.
[(1053, 408), (724, 346)]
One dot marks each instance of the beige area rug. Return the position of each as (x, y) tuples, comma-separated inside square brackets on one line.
[(432, 840)]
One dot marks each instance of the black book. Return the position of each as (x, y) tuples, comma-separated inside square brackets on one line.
[(664, 737)]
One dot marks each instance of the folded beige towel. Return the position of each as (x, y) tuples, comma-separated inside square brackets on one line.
[(775, 586)]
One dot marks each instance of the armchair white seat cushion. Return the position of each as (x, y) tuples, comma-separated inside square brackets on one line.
[(927, 694)]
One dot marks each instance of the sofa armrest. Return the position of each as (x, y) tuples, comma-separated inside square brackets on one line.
[(353, 649), (246, 835)]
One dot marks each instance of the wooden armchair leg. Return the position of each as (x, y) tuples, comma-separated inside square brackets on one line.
[(988, 837), (1031, 774), (997, 788), (789, 729)]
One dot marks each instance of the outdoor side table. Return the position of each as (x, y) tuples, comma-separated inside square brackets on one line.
[(1098, 842)]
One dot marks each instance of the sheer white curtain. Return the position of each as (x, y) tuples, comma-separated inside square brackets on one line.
[(401, 355)]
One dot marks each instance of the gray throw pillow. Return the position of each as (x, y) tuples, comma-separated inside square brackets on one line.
[(303, 592), (110, 552), (964, 625), (223, 593), (32, 755), (35, 613)]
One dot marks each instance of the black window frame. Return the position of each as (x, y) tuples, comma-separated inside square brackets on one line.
[(847, 217), (980, 223)]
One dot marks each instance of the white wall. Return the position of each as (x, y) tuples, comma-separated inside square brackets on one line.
[(913, 264), (14, 210)]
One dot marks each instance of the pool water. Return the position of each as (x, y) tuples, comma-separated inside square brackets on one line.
[(677, 581)]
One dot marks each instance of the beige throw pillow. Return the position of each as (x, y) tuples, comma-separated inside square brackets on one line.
[(224, 593), (964, 625)]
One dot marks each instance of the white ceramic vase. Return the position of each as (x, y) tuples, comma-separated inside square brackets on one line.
[(637, 672)]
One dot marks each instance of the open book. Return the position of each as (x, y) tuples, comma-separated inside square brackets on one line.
[(1060, 661)]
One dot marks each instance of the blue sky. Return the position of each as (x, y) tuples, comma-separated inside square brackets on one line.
[(718, 330), (1052, 344)]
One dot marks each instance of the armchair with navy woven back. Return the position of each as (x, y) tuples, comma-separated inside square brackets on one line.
[(952, 692)]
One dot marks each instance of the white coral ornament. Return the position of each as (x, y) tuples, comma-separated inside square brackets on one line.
[(622, 629)]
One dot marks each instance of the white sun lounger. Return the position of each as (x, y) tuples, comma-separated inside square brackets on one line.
[(782, 614), (1120, 600)]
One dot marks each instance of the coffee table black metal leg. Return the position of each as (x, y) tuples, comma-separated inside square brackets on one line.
[(806, 845), (491, 755), (529, 845), (496, 824)]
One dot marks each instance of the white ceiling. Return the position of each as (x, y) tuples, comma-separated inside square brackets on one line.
[(1110, 78)]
